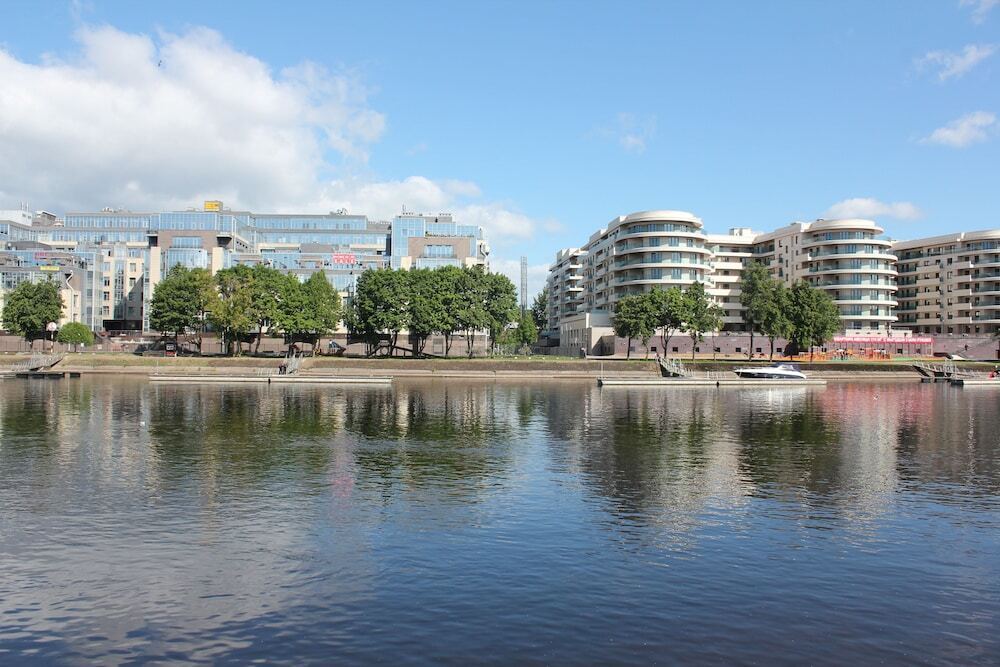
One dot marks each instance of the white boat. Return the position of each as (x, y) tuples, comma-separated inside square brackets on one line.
[(775, 372)]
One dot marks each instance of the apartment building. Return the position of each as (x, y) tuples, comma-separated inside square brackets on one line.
[(849, 259), (127, 253), (950, 284), (635, 253)]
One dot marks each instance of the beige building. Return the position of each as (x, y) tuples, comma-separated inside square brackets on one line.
[(635, 253), (950, 284), (848, 258)]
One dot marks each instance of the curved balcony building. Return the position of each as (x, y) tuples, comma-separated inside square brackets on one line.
[(855, 265), (657, 249)]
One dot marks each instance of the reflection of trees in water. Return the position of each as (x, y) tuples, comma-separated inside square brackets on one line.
[(28, 410), (456, 435), (797, 449), (656, 455), (254, 432)]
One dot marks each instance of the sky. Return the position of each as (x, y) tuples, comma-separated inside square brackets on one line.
[(541, 121)]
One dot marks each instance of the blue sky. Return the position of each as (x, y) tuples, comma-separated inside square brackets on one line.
[(543, 121)]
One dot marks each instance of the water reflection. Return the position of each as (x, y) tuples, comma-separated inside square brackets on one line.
[(146, 518)]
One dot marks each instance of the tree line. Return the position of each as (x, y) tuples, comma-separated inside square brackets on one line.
[(449, 301), (242, 303), (804, 315)]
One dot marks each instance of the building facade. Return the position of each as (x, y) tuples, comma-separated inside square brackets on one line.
[(125, 254), (850, 259), (950, 284)]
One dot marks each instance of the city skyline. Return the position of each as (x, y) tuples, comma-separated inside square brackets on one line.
[(534, 124)]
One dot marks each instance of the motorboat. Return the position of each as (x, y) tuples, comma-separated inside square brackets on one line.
[(775, 372)]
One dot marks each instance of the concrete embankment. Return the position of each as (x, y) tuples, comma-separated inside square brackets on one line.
[(540, 369)]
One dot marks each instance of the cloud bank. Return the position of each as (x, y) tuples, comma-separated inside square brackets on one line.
[(162, 123)]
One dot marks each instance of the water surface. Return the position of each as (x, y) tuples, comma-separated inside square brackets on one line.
[(487, 523)]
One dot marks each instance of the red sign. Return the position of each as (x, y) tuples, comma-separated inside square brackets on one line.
[(885, 340), (344, 258)]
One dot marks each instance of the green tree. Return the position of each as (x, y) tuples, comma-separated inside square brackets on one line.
[(756, 293), (381, 305), (540, 310), (268, 287), (470, 305), (634, 318), (181, 302), (668, 312), (29, 308), (499, 303), (701, 314), (426, 307), (233, 314), (813, 315), (75, 333), (526, 334), (774, 321), (448, 279), (308, 310)]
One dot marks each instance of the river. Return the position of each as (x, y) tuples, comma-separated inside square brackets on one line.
[(498, 523)]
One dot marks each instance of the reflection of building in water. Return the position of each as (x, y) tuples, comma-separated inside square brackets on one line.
[(659, 456)]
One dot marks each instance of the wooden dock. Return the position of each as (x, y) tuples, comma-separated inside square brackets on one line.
[(270, 379), (707, 382)]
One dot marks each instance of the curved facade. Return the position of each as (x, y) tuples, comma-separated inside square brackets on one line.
[(850, 260), (657, 248)]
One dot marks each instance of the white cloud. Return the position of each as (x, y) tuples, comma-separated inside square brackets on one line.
[(867, 207), (980, 8), (153, 123), (950, 64), (632, 132), (972, 128)]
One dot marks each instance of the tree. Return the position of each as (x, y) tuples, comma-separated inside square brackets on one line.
[(448, 279), (526, 334), (426, 308), (540, 310), (634, 318), (470, 305), (499, 303), (813, 315), (75, 333), (668, 312), (701, 314), (774, 322), (308, 311), (381, 305), (233, 315), (268, 286), (756, 292), (30, 307), (181, 301)]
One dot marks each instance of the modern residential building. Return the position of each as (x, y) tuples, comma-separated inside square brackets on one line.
[(950, 284), (125, 254), (637, 252)]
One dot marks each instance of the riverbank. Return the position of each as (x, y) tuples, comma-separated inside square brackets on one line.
[(518, 368)]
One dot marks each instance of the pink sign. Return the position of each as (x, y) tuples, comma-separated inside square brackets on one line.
[(344, 258), (885, 340)]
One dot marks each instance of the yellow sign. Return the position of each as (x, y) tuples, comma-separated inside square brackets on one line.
[(48, 268), (213, 205)]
